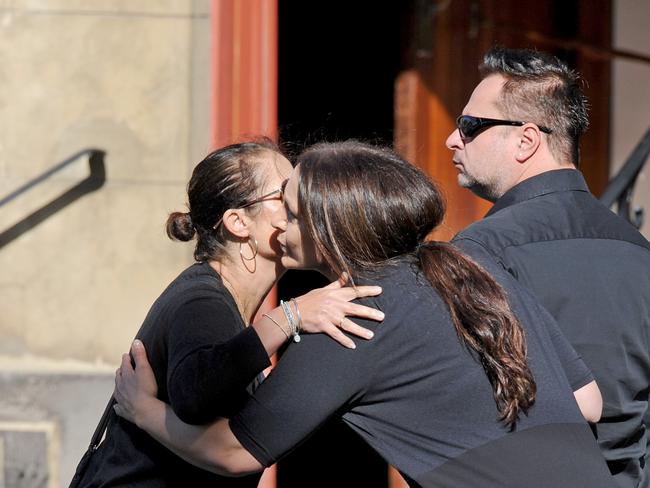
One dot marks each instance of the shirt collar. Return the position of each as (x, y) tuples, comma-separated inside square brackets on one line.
[(542, 184)]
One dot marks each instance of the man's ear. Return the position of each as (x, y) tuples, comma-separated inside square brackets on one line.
[(529, 141), (236, 222)]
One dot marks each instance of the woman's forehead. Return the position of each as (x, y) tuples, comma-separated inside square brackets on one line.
[(275, 168)]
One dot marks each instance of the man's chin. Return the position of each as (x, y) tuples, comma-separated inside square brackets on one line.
[(465, 182), (481, 191)]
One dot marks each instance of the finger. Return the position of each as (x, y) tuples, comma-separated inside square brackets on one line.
[(350, 293), (126, 366), (117, 393), (140, 355), (336, 334), (367, 291), (355, 329), (335, 285), (122, 412), (364, 312), (119, 379)]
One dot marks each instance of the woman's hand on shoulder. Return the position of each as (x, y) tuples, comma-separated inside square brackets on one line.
[(135, 388), (326, 310)]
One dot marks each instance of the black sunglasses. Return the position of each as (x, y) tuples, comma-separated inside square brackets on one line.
[(469, 126)]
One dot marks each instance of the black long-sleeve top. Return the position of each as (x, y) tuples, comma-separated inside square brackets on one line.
[(206, 362)]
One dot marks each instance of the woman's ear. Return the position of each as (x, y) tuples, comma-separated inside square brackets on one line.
[(236, 222)]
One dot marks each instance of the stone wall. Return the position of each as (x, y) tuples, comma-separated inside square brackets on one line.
[(130, 77)]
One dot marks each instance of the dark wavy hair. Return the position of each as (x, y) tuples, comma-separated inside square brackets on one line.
[(542, 89), (226, 178), (364, 206)]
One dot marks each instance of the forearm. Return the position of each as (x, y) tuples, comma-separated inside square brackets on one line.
[(272, 329), (207, 383), (211, 447)]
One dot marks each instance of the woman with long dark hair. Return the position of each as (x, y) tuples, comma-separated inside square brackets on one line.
[(205, 357), (467, 382)]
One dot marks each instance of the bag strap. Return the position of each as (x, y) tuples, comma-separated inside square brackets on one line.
[(102, 425)]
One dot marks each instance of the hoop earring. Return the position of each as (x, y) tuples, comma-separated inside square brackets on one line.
[(244, 258), (253, 248)]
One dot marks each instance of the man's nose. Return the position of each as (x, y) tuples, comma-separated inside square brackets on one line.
[(454, 141)]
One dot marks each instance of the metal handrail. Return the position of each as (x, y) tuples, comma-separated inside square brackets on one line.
[(94, 181), (620, 188)]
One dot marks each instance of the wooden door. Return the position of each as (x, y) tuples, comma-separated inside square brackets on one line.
[(442, 49)]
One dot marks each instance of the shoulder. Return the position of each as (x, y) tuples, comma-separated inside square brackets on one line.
[(199, 301), (552, 217), (197, 281), (396, 276), (197, 288), (489, 236), (405, 289)]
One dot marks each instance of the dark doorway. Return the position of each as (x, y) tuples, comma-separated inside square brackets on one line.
[(337, 66)]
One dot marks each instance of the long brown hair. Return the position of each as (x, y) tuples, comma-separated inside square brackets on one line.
[(364, 206)]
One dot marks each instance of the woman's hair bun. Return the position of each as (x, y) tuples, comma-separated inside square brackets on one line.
[(180, 226)]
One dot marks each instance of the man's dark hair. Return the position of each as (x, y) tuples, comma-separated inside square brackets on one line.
[(541, 89)]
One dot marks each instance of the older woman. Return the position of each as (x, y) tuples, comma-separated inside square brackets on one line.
[(204, 357)]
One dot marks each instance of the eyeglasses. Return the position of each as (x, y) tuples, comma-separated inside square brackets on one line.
[(279, 191), (469, 126)]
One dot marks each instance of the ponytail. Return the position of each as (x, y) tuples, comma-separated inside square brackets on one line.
[(485, 324)]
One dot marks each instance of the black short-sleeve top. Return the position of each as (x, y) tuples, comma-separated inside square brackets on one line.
[(422, 401)]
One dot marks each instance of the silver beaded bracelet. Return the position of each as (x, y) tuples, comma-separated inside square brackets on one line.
[(295, 304), (293, 325)]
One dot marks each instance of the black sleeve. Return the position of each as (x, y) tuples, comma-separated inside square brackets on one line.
[(574, 367), (527, 306), (478, 252), (211, 360), (315, 380)]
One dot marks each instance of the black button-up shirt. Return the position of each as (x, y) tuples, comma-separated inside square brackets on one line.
[(591, 270)]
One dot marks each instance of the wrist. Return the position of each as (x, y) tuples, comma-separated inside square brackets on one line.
[(294, 319), (276, 317), (143, 410)]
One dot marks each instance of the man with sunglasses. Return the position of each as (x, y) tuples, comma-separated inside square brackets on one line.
[(516, 145)]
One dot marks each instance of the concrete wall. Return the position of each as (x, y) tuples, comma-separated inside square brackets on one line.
[(631, 93), (130, 77)]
